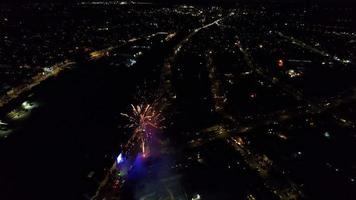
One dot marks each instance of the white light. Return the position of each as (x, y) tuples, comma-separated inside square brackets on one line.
[(327, 134), (196, 197), (27, 106), (119, 159)]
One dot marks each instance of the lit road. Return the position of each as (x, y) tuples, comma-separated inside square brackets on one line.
[(169, 61), (95, 55), (35, 80)]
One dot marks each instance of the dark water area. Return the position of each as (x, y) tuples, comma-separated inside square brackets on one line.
[(73, 132)]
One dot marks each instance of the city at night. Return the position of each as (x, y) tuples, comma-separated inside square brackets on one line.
[(178, 100)]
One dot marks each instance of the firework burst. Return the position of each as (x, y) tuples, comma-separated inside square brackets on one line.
[(144, 119)]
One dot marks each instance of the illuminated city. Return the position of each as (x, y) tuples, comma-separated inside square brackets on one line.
[(177, 100)]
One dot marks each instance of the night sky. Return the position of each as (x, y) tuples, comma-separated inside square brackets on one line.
[(196, 1)]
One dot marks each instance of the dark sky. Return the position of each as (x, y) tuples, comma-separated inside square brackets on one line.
[(188, 1)]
